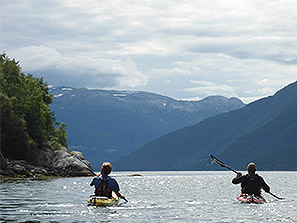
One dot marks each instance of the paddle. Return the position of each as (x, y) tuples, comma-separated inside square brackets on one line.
[(80, 162), (220, 163), (280, 198)]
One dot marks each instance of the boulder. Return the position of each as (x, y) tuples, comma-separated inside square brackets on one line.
[(44, 159), (81, 157), (64, 164), (77, 154), (5, 167), (21, 170), (47, 163)]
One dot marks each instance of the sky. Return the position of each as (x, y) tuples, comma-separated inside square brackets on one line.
[(184, 49)]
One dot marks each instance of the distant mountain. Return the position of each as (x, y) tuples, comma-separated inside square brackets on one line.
[(264, 131), (107, 124)]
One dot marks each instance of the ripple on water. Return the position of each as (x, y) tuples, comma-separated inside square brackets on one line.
[(154, 197)]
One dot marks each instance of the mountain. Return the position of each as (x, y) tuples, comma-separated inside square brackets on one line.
[(264, 131), (107, 124)]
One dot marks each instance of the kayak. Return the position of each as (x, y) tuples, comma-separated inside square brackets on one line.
[(103, 201), (246, 198)]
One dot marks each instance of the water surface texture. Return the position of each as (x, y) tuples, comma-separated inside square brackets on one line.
[(153, 197)]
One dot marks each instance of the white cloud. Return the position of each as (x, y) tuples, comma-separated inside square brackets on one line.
[(121, 72), (176, 71), (241, 48), (209, 88)]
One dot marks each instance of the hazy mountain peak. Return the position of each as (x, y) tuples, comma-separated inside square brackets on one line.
[(106, 124)]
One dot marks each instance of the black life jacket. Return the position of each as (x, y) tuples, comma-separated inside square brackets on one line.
[(103, 189), (252, 184)]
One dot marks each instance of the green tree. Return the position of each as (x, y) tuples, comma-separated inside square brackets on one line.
[(27, 123)]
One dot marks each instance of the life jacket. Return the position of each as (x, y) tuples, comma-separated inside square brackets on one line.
[(103, 189), (252, 184)]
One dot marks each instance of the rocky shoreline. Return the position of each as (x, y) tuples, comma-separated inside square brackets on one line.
[(59, 163)]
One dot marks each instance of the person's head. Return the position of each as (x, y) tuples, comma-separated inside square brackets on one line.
[(251, 168), (106, 168)]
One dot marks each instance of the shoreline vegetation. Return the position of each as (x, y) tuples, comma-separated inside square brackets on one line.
[(33, 143)]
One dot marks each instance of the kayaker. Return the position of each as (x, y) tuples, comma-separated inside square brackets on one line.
[(104, 184), (251, 183)]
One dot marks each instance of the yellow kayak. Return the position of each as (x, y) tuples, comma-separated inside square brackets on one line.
[(103, 201)]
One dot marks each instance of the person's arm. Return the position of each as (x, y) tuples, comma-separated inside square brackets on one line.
[(116, 188), (237, 179), (265, 186), (120, 195), (92, 183)]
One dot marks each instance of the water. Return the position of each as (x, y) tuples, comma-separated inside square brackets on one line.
[(153, 197)]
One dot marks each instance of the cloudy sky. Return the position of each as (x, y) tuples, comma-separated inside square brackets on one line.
[(185, 49)]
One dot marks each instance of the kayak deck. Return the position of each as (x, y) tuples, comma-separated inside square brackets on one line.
[(103, 201), (246, 198)]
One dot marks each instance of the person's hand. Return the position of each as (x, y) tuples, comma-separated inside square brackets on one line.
[(239, 174), (124, 198)]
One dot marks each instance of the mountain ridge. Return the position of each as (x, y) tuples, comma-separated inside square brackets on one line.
[(224, 135), (110, 123)]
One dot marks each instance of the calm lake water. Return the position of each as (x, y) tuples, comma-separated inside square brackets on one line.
[(153, 197)]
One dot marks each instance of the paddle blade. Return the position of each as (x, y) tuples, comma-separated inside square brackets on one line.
[(81, 163), (215, 160)]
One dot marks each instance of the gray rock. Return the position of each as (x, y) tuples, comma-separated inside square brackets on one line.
[(47, 163), (20, 170), (20, 162), (59, 154), (5, 167), (81, 157), (77, 154), (64, 164), (44, 172), (44, 159)]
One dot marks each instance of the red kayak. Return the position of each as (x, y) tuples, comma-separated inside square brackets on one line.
[(246, 198)]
